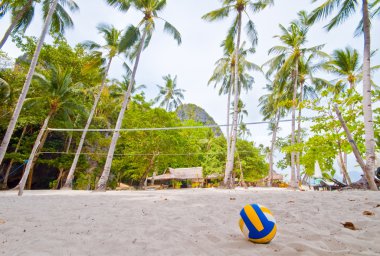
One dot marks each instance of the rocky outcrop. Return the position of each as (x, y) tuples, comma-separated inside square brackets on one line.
[(193, 112)]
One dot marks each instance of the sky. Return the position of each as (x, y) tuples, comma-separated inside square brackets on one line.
[(193, 61)]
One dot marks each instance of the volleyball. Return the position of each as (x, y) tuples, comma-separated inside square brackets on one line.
[(257, 223)]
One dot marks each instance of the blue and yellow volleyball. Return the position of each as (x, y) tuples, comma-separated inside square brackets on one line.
[(257, 223)]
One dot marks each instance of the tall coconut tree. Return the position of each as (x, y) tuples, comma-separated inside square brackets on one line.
[(273, 108), (239, 8), (137, 38), (224, 75), (287, 64), (53, 12), (344, 10), (345, 64), (308, 85), (60, 95), (169, 95), (22, 13), (112, 38)]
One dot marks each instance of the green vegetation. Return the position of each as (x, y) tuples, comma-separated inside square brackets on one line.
[(57, 85), (138, 154)]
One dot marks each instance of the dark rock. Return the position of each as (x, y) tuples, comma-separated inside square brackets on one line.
[(193, 112)]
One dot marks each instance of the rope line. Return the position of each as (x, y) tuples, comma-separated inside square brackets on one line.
[(14, 170), (159, 128)]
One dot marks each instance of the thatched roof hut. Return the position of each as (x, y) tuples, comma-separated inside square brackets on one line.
[(276, 177), (194, 174)]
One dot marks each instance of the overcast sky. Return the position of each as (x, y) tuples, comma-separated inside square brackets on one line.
[(193, 61)]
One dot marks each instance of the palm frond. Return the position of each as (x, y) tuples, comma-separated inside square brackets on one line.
[(323, 10), (218, 14), (251, 33), (160, 5), (347, 9), (25, 21), (121, 5), (170, 29), (130, 37)]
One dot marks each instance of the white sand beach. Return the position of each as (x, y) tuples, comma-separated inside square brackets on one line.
[(185, 222)]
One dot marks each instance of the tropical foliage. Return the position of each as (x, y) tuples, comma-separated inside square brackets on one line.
[(128, 136)]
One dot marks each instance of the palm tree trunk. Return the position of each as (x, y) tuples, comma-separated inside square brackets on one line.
[(241, 179), (293, 182), (344, 170), (25, 89), (14, 22), (274, 135), (230, 161), (30, 178), (299, 132), (351, 140), (36, 146), (344, 163), (367, 105), (70, 176), (102, 184), (5, 181), (228, 117)]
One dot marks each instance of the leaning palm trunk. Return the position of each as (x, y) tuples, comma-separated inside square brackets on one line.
[(367, 105), (299, 132), (274, 135), (70, 176), (102, 184), (293, 182), (230, 160), (36, 147), (350, 138), (20, 102), (30, 178), (5, 181), (343, 166), (14, 23), (241, 178)]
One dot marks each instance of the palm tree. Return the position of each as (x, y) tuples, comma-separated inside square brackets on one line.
[(133, 38), (272, 109), (287, 62), (53, 9), (22, 13), (345, 10), (346, 66), (308, 85), (111, 48), (169, 95), (224, 74), (122, 86), (60, 95), (239, 7)]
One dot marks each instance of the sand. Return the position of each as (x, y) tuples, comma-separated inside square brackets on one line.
[(185, 222)]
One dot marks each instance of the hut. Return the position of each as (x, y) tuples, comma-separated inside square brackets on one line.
[(276, 180), (179, 177)]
